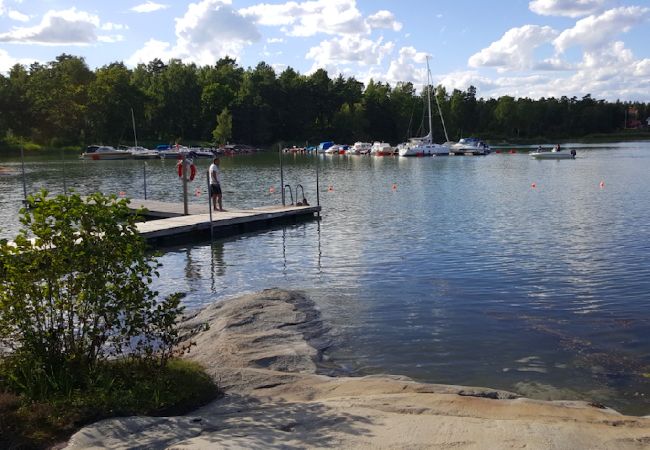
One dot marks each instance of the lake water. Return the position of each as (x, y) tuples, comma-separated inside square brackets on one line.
[(500, 271)]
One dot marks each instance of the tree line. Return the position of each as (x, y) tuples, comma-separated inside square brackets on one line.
[(64, 102)]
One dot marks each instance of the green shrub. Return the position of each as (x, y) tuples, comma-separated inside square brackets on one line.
[(75, 293)]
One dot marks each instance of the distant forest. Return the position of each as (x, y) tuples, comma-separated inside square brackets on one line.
[(63, 103)]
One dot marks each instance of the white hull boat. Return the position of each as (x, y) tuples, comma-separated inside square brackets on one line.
[(105, 152), (469, 146), (360, 148), (552, 154), (381, 149), (424, 146)]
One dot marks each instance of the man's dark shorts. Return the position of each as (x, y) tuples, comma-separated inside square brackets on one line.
[(215, 189)]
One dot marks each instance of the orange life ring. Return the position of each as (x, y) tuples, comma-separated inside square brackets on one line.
[(179, 167), (192, 172)]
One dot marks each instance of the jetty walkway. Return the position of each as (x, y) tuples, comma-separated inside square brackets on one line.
[(166, 222)]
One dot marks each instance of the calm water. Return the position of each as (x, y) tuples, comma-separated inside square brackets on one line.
[(449, 270)]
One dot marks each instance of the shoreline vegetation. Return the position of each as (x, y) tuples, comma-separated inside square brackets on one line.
[(266, 349), (12, 148), (82, 335), (65, 103)]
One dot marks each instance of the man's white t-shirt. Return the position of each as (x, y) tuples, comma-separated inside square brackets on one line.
[(214, 174)]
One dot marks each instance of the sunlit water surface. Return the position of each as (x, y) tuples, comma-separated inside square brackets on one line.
[(500, 271)]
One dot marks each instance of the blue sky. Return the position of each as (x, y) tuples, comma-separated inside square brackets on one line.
[(533, 48)]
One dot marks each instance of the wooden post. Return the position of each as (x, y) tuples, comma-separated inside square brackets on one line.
[(184, 172), (210, 208), (281, 174)]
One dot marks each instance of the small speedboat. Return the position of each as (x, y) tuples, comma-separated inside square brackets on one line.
[(555, 153), (105, 152)]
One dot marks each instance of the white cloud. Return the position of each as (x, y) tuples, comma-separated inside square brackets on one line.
[(569, 8), (349, 50), (642, 68), (274, 40), (384, 19), (309, 18), (69, 27), (410, 65), (110, 39), (7, 61), (594, 31), (17, 16), (109, 26), (515, 49), (208, 31), (152, 49), (148, 7)]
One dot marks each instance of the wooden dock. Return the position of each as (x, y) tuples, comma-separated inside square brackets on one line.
[(169, 225)]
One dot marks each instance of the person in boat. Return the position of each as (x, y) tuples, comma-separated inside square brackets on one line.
[(215, 185), (539, 149), (557, 148)]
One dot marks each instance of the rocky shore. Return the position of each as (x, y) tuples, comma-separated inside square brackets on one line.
[(265, 350)]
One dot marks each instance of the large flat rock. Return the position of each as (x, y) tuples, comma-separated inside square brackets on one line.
[(265, 348)]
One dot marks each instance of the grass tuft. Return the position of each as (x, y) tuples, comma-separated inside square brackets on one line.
[(116, 388)]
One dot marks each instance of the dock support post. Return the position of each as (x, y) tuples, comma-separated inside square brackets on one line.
[(22, 161), (317, 185), (210, 207), (281, 174), (144, 177), (184, 172)]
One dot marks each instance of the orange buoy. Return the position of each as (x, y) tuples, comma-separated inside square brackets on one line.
[(197, 192), (394, 187), (533, 185), (271, 189), (122, 193), (602, 184), (330, 188), (192, 171)]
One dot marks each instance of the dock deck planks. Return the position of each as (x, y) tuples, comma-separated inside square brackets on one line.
[(174, 223)]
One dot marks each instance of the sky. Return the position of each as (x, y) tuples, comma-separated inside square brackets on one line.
[(522, 48)]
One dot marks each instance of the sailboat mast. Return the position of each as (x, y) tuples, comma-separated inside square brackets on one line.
[(442, 119), (429, 100), (135, 136)]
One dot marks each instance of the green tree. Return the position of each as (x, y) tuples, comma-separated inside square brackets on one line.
[(78, 293), (223, 131)]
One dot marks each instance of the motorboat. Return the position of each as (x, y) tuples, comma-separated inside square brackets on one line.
[(105, 152), (424, 146), (555, 153), (381, 149), (469, 146), (139, 152), (360, 148), (333, 150)]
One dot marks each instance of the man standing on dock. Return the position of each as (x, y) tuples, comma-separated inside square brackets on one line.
[(215, 185)]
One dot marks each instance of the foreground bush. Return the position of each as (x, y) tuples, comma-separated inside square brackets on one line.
[(75, 292), (82, 335)]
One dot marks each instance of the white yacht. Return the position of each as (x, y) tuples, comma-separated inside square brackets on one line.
[(555, 153), (381, 149), (424, 146)]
